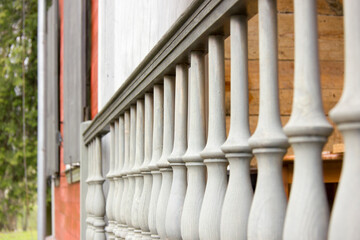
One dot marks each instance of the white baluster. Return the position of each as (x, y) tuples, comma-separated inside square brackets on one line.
[(269, 143), (214, 158), (123, 216), (110, 177), (98, 197), (146, 193), (346, 114), (163, 164), (139, 159), (179, 184), (307, 214), (156, 154), (130, 173), (115, 178), (89, 193), (196, 143), (239, 193), (120, 148), (92, 203)]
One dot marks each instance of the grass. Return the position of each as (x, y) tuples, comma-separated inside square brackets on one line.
[(19, 235), (30, 234)]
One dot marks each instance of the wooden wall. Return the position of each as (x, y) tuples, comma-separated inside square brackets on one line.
[(128, 30), (331, 46)]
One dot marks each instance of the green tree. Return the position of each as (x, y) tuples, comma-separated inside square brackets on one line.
[(14, 48)]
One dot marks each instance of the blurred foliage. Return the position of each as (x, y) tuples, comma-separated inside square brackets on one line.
[(12, 184)]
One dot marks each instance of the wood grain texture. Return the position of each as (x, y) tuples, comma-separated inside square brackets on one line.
[(346, 115), (268, 142), (234, 216), (308, 212)]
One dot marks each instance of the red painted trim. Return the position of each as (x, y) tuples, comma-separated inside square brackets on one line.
[(94, 59), (67, 196)]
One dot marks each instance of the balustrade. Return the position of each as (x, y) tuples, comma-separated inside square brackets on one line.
[(110, 177), (307, 215), (119, 181), (146, 193), (123, 223), (234, 217), (168, 172), (139, 158), (163, 163), (346, 114), (130, 174), (214, 158), (269, 142), (156, 155), (196, 143), (178, 186)]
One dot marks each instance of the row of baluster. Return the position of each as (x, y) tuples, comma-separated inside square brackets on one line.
[(167, 181)]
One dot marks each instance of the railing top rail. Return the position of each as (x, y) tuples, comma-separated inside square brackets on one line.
[(189, 32)]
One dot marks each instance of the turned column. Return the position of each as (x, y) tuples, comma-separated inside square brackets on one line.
[(146, 192), (139, 159), (110, 177), (307, 214), (89, 194), (98, 197), (178, 186), (269, 142), (123, 216), (196, 143), (214, 158), (346, 114), (239, 193), (119, 181), (130, 174), (163, 164), (156, 155)]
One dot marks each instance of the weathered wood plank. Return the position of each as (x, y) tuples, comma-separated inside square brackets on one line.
[(330, 30)]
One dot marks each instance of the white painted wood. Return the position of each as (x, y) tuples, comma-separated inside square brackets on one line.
[(179, 183), (120, 136), (106, 46), (110, 178), (146, 193), (89, 192), (307, 214), (91, 185), (123, 217), (84, 176), (115, 177), (214, 158), (146, 22), (269, 142), (346, 114), (196, 143), (139, 159), (239, 192), (98, 198), (156, 154), (163, 164), (130, 174)]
